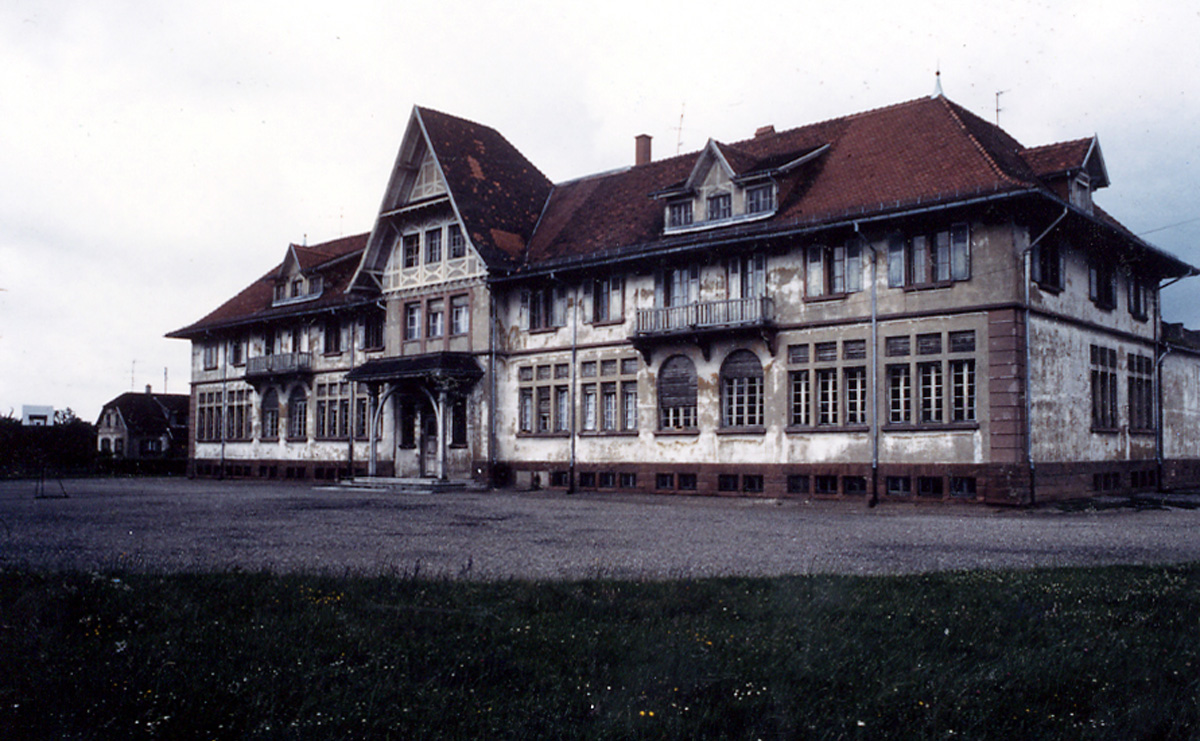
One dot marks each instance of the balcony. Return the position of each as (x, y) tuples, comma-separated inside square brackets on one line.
[(700, 322), (280, 364)]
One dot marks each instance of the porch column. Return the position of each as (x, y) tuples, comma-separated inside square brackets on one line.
[(441, 441)]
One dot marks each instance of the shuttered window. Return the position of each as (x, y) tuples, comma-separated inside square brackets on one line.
[(677, 393)]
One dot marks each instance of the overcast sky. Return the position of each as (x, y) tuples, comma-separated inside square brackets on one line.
[(158, 157)]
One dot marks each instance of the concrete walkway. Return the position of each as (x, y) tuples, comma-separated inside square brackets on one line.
[(176, 524)]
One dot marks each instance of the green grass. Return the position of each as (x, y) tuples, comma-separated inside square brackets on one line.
[(1067, 653)]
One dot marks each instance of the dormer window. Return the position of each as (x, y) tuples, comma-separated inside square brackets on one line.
[(720, 206), (1081, 192), (760, 199), (679, 214), (297, 286), (315, 284)]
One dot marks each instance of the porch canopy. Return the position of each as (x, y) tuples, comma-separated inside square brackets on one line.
[(436, 375), (436, 368)]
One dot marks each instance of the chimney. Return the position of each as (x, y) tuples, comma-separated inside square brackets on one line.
[(764, 130), (147, 388), (641, 149)]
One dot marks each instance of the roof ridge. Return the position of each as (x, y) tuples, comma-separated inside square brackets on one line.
[(955, 110)]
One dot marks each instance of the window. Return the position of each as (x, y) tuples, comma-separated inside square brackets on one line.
[(361, 410), (801, 401), (589, 407), (333, 409), (412, 321), (629, 412), (373, 330), (1139, 298), (1046, 265), (664, 481), (458, 244), (435, 318), (544, 418), (297, 287), (608, 299), (270, 415), (962, 487), (298, 414), (237, 351), (608, 392), (855, 395), (677, 394), (833, 271), (797, 483), (208, 415), (1102, 284), (741, 390), (679, 214), (720, 206), (562, 409), (525, 410), (760, 199), (928, 260), (412, 250), (687, 481), (433, 246), (962, 390), (237, 415), (899, 486), (899, 394), (929, 486), (929, 385), (677, 286), (333, 336), (460, 318), (1141, 392), (1104, 388), (543, 308), (727, 482), (747, 277), (211, 351), (827, 396), (458, 423)]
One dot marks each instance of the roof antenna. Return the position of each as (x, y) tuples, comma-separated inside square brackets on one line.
[(998, 108), (679, 129), (937, 83)]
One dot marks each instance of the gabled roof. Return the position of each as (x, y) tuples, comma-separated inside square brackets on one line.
[(150, 414), (495, 192), (334, 260), (1066, 158)]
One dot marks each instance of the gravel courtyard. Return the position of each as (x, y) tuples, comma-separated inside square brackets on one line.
[(176, 524)]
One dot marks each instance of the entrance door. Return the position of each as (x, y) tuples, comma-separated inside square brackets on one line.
[(429, 443)]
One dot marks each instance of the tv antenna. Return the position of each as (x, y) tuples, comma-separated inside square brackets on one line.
[(679, 129), (998, 108)]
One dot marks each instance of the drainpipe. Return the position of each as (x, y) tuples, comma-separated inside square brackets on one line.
[(574, 363), (1027, 259), (353, 406), (873, 496), (493, 320), (224, 404), (1161, 351)]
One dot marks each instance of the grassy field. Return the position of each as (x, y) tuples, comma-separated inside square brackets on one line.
[(1071, 653)]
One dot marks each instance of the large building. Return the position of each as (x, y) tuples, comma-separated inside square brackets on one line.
[(901, 303)]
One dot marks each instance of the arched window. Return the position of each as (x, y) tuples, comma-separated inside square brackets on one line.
[(741, 390), (298, 413), (677, 394), (270, 415)]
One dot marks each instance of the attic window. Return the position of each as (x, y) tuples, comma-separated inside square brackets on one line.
[(760, 199), (720, 206), (1081, 192), (679, 214)]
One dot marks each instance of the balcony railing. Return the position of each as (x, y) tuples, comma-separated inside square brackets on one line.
[(704, 315), (280, 364)]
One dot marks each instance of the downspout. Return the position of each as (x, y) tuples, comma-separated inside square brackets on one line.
[(351, 412), (1027, 259), (1161, 351), (224, 403), (571, 399), (492, 321), (873, 496)]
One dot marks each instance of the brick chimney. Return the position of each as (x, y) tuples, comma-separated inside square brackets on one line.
[(764, 130), (641, 149)]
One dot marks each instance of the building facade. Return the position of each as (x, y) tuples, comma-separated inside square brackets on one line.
[(903, 303)]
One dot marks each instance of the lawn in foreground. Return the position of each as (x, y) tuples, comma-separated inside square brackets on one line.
[(1066, 653)]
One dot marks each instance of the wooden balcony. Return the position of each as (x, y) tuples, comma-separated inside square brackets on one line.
[(702, 321), (280, 364)]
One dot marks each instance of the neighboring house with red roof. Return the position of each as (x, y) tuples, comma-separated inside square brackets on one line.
[(904, 303), (145, 427)]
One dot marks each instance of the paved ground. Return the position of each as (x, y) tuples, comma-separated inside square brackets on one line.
[(159, 524)]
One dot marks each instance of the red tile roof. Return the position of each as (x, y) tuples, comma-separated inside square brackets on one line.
[(921, 151), (334, 260), (1051, 159), (499, 193)]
